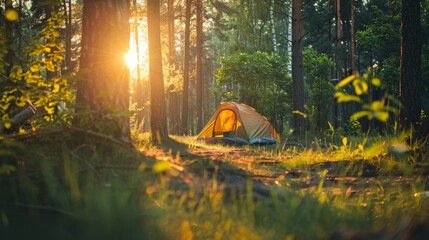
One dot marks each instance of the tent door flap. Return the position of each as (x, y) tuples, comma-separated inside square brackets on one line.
[(225, 124)]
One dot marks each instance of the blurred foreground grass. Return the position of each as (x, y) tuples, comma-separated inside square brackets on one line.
[(54, 187)]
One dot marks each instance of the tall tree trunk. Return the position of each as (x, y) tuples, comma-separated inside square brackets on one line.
[(352, 36), (102, 97), (199, 85), (138, 86), (273, 27), (329, 11), (185, 107), (411, 50), (297, 66), (338, 38), (9, 35), (68, 41), (173, 101), (158, 121)]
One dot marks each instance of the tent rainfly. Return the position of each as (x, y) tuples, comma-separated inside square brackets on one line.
[(237, 123)]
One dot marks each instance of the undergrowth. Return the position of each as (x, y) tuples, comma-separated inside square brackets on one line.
[(53, 186)]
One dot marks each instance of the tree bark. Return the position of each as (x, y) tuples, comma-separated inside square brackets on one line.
[(411, 50), (158, 121), (173, 99), (199, 66), (352, 37), (9, 35), (102, 96), (273, 27), (138, 85), (297, 66), (68, 41), (185, 107)]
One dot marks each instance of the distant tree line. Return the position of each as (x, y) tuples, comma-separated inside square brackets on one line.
[(282, 57)]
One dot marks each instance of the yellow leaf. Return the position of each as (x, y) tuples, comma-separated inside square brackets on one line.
[(185, 229), (20, 103), (56, 88), (381, 116), (346, 81), (161, 166), (10, 98), (34, 68), (42, 84), (376, 82), (11, 15), (5, 106), (342, 97), (376, 105), (300, 113), (7, 125), (360, 114), (49, 66), (344, 140), (49, 110), (360, 87), (16, 72)]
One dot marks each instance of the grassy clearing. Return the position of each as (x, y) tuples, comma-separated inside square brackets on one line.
[(55, 187)]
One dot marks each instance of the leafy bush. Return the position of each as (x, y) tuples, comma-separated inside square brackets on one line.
[(37, 79), (259, 80), (320, 89)]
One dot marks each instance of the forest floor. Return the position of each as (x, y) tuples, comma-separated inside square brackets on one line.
[(338, 176), (309, 170), (351, 188)]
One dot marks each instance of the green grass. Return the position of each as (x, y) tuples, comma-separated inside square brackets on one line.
[(53, 187)]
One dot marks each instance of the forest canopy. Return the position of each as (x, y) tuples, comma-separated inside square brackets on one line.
[(221, 51)]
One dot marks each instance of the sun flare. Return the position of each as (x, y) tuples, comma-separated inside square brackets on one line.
[(131, 59)]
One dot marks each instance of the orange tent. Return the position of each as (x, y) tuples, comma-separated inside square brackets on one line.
[(238, 123)]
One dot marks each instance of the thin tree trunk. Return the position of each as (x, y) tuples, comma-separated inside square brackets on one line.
[(338, 37), (185, 107), (68, 42), (158, 115), (199, 85), (173, 101), (352, 37), (9, 30), (331, 72), (297, 66), (273, 27), (138, 86)]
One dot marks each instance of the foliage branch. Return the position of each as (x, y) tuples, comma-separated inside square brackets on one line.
[(38, 80), (378, 109)]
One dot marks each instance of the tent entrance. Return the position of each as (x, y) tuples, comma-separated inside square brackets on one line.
[(225, 124)]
